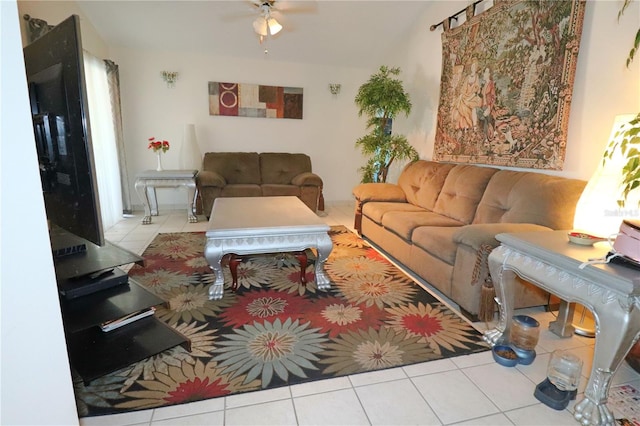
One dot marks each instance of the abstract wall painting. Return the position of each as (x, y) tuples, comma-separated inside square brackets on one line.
[(255, 100), (507, 82)]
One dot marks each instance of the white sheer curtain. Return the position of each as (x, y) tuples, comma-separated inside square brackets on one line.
[(103, 138)]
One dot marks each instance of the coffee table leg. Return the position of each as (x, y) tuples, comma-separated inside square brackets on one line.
[(302, 258), (234, 261), (324, 249), (213, 254)]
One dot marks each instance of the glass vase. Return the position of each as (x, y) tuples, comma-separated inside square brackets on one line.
[(159, 168)]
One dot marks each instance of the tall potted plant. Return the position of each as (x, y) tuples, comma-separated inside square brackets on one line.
[(381, 99)]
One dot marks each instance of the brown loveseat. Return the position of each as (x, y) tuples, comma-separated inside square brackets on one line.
[(250, 174), (440, 221)]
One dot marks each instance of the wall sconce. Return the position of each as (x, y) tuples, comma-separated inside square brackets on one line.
[(335, 88), (170, 77)]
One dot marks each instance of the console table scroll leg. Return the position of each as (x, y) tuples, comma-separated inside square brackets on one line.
[(562, 325), (191, 194), (503, 281), (593, 410), (141, 189)]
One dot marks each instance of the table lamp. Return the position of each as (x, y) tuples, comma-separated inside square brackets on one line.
[(598, 211)]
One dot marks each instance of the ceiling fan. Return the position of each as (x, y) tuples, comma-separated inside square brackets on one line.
[(266, 24)]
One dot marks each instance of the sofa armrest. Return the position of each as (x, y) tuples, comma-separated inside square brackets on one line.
[(307, 179), (484, 234), (379, 192), (210, 178)]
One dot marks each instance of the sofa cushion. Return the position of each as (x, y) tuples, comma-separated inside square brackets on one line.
[(437, 241), (241, 190), (422, 182), (234, 167), (282, 167), (462, 191), (402, 223), (375, 210), (527, 197)]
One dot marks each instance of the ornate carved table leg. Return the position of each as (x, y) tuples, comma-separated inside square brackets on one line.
[(141, 189), (615, 330), (191, 193), (302, 258), (325, 245), (213, 253), (504, 281), (234, 261), (152, 196)]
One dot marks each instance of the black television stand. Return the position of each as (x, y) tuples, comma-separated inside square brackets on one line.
[(102, 292), (94, 282)]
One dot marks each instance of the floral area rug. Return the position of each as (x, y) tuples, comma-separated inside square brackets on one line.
[(274, 331)]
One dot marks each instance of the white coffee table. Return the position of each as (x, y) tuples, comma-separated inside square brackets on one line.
[(253, 225)]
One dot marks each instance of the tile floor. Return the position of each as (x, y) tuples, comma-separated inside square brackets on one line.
[(468, 390)]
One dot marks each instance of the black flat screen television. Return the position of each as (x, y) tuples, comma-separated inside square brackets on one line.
[(57, 91)]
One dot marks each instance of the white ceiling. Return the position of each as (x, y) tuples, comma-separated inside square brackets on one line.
[(345, 33)]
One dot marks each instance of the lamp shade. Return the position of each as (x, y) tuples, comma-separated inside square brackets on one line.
[(598, 212), (274, 26), (190, 157), (260, 26)]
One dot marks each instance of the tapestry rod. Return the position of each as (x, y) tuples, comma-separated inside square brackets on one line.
[(471, 9)]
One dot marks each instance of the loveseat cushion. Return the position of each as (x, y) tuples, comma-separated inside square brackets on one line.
[(402, 223), (527, 197), (437, 241), (270, 190), (282, 167), (462, 191), (234, 167), (422, 181), (241, 190)]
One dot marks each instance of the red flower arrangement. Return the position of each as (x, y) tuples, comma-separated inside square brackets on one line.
[(158, 145)]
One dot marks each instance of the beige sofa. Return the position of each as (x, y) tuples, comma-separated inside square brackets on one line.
[(440, 221), (250, 174)]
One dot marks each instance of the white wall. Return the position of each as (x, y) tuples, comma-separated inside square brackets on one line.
[(327, 132), (34, 376), (603, 86)]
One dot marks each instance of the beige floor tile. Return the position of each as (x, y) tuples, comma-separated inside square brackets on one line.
[(268, 413), (454, 397), (396, 403), (340, 407)]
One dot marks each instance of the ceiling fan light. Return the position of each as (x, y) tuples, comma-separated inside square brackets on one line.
[(274, 26), (260, 26)]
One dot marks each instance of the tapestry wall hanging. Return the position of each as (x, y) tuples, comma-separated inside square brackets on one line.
[(254, 100), (507, 79)]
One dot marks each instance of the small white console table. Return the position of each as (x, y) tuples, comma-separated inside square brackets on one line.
[(149, 180), (611, 291)]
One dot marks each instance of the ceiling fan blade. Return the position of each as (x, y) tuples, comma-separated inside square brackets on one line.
[(290, 7)]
